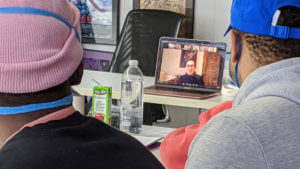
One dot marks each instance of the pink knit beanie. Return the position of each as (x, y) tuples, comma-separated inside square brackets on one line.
[(38, 52)]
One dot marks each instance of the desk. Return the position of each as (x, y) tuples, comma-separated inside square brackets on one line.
[(114, 80), (154, 131)]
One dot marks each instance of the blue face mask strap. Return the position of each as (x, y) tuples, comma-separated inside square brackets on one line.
[(35, 107), (237, 62), (34, 11)]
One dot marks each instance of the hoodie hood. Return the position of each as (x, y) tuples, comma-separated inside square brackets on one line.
[(280, 79)]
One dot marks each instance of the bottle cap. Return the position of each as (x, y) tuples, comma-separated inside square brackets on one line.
[(133, 62)]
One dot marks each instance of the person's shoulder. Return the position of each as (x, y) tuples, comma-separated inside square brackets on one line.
[(81, 142), (260, 109), (218, 145), (182, 77), (197, 76), (257, 126)]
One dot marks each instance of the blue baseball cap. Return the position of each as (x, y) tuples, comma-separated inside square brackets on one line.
[(260, 17)]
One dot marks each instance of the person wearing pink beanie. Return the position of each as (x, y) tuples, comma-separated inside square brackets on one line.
[(40, 58)]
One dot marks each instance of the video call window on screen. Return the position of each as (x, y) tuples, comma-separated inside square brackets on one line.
[(190, 65)]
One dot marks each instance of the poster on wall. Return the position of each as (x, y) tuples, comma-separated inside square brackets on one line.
[(98, 20), (185, 7), (97, 60), (187, 55)]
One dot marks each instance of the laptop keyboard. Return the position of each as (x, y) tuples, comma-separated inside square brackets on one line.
[(182, 90)]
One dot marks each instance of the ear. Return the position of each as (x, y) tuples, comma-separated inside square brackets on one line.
[(234, 47), (75, 79)]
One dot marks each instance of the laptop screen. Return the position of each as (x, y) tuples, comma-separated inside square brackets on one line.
[(190, 63)]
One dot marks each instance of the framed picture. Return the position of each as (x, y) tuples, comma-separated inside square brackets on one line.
[(99, 20), (187, 55), (97, 60), (185, 7)]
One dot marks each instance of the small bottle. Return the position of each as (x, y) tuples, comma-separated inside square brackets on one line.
[(115, 116), (132, 91)]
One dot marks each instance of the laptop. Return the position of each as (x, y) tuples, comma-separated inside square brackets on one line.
[(188, 68)]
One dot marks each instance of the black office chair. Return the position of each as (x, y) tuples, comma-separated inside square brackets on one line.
[(139, 41)]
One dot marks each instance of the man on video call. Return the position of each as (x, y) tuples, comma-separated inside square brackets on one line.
[(190, 77)]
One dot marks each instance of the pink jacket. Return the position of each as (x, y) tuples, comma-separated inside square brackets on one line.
[(174, 148)]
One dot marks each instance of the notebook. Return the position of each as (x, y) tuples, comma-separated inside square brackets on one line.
[(188, 68)]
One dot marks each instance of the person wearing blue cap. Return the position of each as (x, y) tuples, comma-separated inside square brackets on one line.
[(262, 129)]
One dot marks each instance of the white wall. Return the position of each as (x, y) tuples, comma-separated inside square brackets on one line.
[(211, 20)]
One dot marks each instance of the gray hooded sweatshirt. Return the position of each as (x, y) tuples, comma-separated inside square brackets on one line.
[(261, 131)]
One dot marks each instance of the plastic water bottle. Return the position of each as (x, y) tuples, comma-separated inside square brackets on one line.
[(132, 91)]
